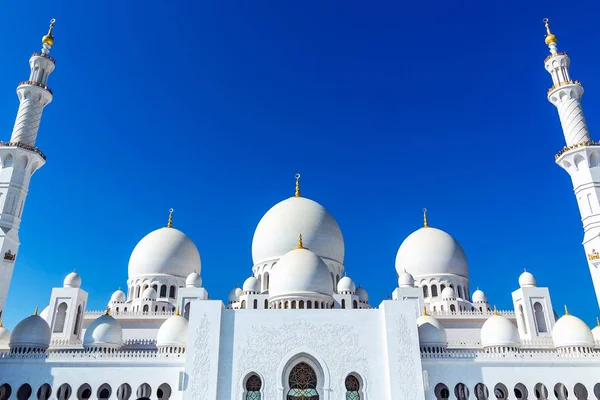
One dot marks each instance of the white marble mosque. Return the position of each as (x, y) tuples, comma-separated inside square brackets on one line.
[(299, 328)]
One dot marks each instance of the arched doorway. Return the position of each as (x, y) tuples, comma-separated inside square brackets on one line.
[(303, 383)]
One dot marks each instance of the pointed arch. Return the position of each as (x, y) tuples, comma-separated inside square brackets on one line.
[(540, 318), (315, 362), (60, 318)]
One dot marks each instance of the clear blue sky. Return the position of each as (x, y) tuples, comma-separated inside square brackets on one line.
[(384, 108)]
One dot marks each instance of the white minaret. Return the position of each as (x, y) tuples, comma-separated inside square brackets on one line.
[(581, 156), (19, 158)]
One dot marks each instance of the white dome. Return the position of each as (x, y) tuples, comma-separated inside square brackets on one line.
[(405, 279), (570, 331), (299, 272), (149, 294), (251, 285), (166, 251), (104, 331), (595, 333), (118, 297), (362, 294), (479, 297), (4, 335), (431, 332), (72, 280), (235, 294), (431, 252), (193, 280), (277, 232), (173, 332), (448, 293), (498, 331), (346, 285), (32, 332), (527, 280)]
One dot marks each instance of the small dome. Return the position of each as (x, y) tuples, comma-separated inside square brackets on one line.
[(173, 332), (431, 252), (498, 331), (165, 251), (479, 297), (431, 332), (33, 332), (277, 231), (235, 294), (570, 331), (405, 279), (73, 280), (149, 294), (103, 332), (362, 294), (4, 335), (527, 280), (299, 272), (346, 285), (193, 280), (251, 285), (118, 297), (448, 293)]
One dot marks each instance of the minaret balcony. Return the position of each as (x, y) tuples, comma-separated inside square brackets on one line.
[(559, 53), (33, 83), (565, 83), (38, 54), (24, 146)]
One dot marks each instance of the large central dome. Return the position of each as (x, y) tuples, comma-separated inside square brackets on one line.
[(277, 232)]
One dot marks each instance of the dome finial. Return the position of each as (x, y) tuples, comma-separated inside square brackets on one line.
[(297, 185), (300, 244), (495, 310), (550, 37), (566, 310), (1, 320), (425, 223), (48, 39), (36, 311), (177, 312), (107, 312), (425, 310), (170, 224)]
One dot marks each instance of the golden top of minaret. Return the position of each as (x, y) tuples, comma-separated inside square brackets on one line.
[(425, 222), (170, 224), (48, 38), (550, 37), (566, 310), (297, 185), (36, 311), (300, 244)]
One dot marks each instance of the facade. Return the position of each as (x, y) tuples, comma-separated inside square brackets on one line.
[(164, 338)]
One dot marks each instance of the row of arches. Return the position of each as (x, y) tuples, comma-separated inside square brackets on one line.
[(135, 292), (301, 304), (302, 385), (461, 291), (501, 392), (84, 392)]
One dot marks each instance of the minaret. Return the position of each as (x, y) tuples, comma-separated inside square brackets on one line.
[(19, 158), (581, 156)]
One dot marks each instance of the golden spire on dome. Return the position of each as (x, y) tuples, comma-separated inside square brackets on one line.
[(425, 311), (48, 38), (550, 37), (297, 185), (107, 312), (170, 224), (300, 244), (177, 312), (495, 310), (425, 223), (36, 311), (566, 310)]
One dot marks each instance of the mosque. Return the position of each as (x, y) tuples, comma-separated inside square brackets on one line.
[(299, 328)]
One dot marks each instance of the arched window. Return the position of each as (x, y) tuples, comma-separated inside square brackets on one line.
[(352, 388), (267, 304), (77, 329), (266, 280), (309, 304), (294, 304), (434, 291), (481, 392), (500, 391), (155, 287), (441, 391), (6, 391), (124, 392), (521, 391), (255, 304), (460, 292), (144, 390), (64, 392), (540, 391), (172, 292), (354, 304), (163, 291), (561, 392), (163, 392), (84, 392), (580, 391), (137, 292), (301, 304), (540, 319), (253, 386), (60, 318), (243, 303), (597, 390), (343, 303), (186, 310), (145, 308), (522, 318), (425, 292), (44, 392), (452, 307), (461, 391), (442, 287), (24, 392), (104, 391), (333, 283), (303, 383)]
